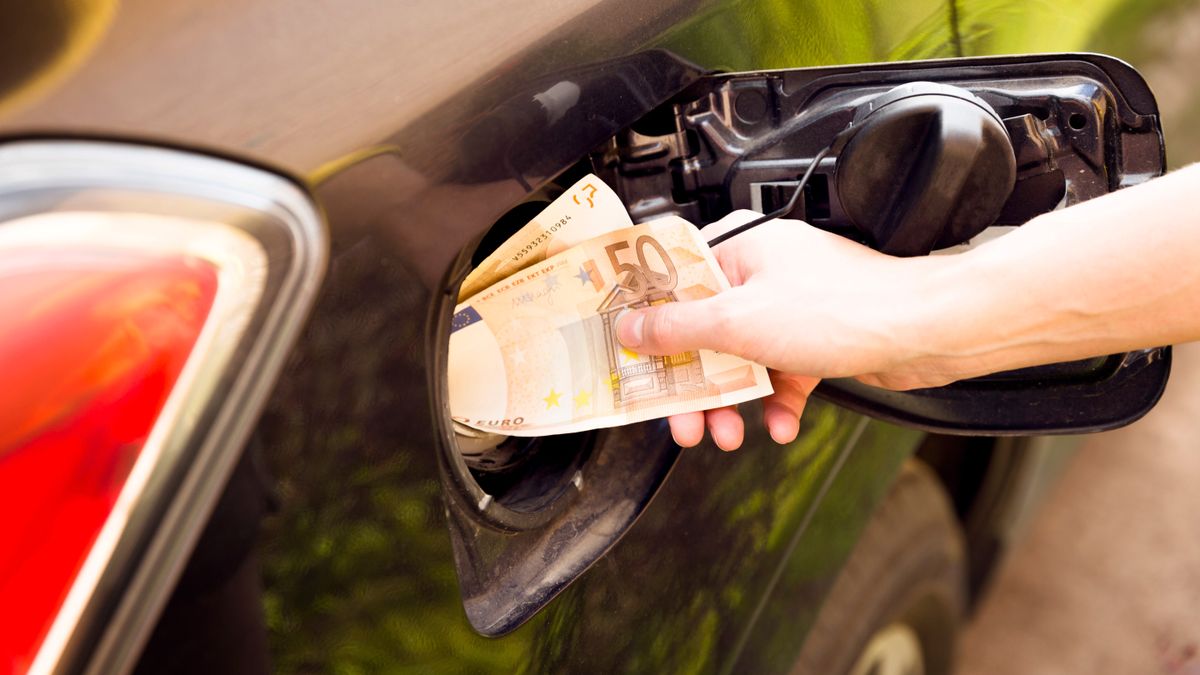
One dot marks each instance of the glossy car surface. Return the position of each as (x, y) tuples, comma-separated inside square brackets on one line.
[(414, 127)]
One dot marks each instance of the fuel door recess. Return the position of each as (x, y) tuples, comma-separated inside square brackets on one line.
[(528, 516), (975, 146), (911, 158)]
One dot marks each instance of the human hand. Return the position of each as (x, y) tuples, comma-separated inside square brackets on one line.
[(805, 303), (1087, 280)]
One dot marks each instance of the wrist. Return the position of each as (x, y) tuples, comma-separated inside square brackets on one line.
[(988, 309), (958, 320)]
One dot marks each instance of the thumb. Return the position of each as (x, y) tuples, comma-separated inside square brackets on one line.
[(673, 328)]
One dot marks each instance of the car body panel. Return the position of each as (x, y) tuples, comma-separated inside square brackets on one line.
[(383, 110)]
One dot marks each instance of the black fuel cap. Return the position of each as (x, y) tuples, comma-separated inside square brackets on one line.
[(924, 166)]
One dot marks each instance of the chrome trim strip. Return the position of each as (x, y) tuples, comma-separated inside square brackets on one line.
[(117, 597)]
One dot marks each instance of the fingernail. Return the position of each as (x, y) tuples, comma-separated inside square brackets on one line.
[(629, 328)]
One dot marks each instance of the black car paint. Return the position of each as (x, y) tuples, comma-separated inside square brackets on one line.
[(727, 567), (688, 558)]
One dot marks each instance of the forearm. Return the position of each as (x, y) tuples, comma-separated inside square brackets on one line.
[(1113, 274)]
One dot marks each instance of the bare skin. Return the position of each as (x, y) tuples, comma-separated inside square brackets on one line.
[(1113, 274)]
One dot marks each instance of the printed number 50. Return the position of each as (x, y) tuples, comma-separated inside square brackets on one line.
[(645, 276)]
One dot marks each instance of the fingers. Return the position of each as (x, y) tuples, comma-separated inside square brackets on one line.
[(687, 429), (726, 427), (675, 327), (781, 422), (781, 416), (782, 410)]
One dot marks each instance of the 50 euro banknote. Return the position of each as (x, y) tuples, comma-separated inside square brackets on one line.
[(537, 353), (588, 209)]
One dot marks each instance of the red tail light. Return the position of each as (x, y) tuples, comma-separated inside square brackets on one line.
[(91, 346), (147, 298)]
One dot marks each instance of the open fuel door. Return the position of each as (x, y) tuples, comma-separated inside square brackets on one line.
[(978, 144), (912, 158)]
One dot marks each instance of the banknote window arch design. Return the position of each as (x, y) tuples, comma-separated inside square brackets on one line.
[(634, 378)]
